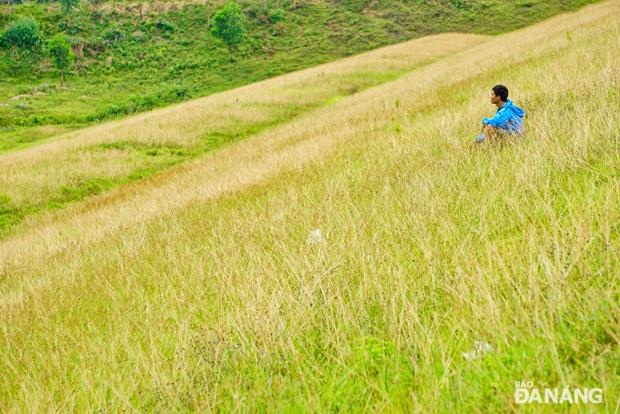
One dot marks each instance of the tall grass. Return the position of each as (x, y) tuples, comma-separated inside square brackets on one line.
[(196, 290), (78, 164)]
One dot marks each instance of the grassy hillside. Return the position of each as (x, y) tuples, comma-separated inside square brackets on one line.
[(47, 177), (136, 56), (195, 290)]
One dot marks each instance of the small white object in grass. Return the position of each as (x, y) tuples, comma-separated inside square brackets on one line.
[(315, 238), (480, 348)]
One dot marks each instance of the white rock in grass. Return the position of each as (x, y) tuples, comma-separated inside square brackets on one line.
[(315, 238), (480, 348)]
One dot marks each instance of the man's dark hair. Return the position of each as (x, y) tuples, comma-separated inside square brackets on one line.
[(501, 91)]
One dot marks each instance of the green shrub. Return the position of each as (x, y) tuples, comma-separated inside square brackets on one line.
[(229, 25), (277, 15), (22, 33), (165, 26), (112, 35), (61, 53)]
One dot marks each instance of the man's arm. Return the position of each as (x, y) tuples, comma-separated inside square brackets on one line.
[(499, 119)]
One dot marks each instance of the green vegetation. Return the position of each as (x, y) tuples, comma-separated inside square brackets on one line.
[(229, 26), (22, 33), (61, 54), (197, 290), (133, 57), (67, 6)]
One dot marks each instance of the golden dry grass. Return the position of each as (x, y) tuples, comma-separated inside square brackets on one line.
[(195, 290), (38, 174)]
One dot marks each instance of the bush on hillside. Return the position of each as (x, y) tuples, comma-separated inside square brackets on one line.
[(277, 15), (165, 26), (22, 33), (112, 35), (229, 25), (61, 53)]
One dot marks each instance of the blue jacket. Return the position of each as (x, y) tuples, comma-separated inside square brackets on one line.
[(509, 117)]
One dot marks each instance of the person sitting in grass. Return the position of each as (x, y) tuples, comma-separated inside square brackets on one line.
[(508, 119)]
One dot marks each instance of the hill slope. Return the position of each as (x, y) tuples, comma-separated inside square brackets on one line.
[(135, 56), (75, 166), (196, 289)]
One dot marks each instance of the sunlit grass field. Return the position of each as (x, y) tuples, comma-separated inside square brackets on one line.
[(196, 288), (74, 166)]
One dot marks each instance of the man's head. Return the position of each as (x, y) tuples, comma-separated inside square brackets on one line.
[(499, 94)]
